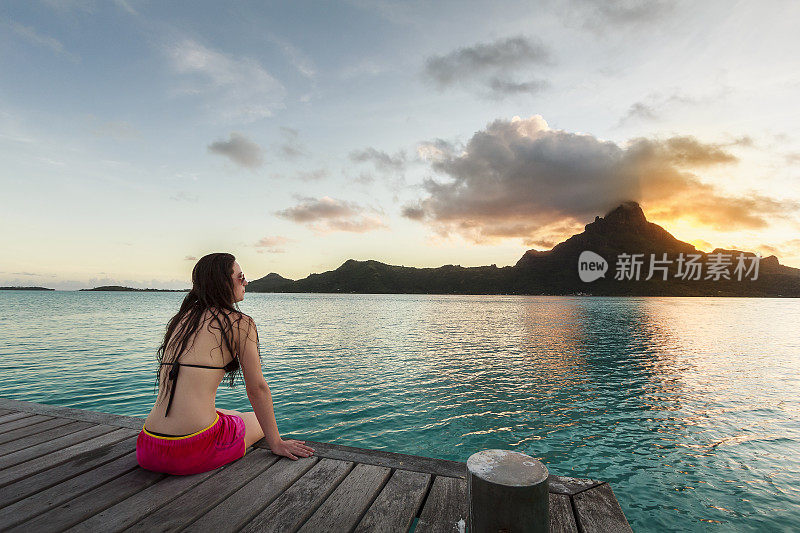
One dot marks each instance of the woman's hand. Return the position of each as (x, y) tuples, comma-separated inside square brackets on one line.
[(292, 449)]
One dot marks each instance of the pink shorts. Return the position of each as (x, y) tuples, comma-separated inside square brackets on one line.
[(217, 445)]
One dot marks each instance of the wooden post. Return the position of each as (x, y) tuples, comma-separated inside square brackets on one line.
[(507, 493)]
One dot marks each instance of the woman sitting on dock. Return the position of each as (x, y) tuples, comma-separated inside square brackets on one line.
[(187, 433)]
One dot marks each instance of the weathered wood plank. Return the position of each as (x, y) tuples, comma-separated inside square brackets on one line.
[(59, 479), (569, 485), (10, 417), (76, 414), (44, 448), (597, 510), (33, 429), (203, 496), (298, 502), (561, 518), (401, 461), (131, 510), (445, 508), (240, 507), (46, 436), (23, 421), (396, 506), (90, 503), (7, 475), (45, 500), (343, 509), (74, 467)]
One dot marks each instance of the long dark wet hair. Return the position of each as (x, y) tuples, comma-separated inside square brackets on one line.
[(212, 291)]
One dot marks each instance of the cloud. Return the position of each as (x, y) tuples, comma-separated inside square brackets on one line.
[(272, 244), (54, 45), (787, 252), (679, 151), (466, 62), (267, 242), (190, 258), (311, 209), (390, 167), (291, 147), (599, 15), (501, 87), (239, 90), (183, 196), (497, 60), (435, 150), (296, 57), (769, 250), (381, 160), (639, 111), (125, 6), (655, 105), (520, 178), (240, 150), (312, 175), (743, 140), (792, 158), (327, 214)]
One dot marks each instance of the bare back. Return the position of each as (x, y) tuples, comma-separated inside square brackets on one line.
[(193, 407)]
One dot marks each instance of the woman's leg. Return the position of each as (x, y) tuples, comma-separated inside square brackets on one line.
[(253, 431)]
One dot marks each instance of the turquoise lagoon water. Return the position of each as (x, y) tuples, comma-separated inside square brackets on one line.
[(689, 407)]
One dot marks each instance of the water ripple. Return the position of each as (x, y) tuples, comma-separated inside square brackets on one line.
[(678, 402)]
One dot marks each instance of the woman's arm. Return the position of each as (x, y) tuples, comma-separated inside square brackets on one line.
[(257, 389), (261, 398)]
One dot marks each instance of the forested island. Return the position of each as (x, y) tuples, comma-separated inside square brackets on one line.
[(624, 231), (118, 288), (25, 289)]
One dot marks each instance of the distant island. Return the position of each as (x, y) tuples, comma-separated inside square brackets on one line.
[(624, 230), (25, 289), (118, 288)]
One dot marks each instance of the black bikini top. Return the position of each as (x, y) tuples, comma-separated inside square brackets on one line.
[(173, 375)]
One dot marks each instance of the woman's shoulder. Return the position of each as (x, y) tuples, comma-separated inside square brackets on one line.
[(237, 318)]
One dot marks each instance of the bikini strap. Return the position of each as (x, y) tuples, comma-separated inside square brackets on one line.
[(173, 376), (198, 366)]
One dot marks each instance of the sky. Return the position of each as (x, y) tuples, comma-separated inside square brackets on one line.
[(137, 136)]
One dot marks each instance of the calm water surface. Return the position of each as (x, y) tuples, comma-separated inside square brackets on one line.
[(689, 407)]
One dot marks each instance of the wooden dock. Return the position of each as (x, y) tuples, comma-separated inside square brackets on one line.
[(64, 469)]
